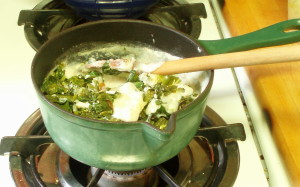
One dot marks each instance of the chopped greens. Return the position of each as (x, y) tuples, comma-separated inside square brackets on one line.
[(98, 89)]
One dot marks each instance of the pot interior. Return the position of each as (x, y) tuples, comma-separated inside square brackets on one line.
[(111, 31)]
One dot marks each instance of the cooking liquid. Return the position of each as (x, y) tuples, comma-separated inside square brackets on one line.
[(81, 59), (147, 59)]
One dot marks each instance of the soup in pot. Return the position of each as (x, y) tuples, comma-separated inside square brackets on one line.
[(113, 82)]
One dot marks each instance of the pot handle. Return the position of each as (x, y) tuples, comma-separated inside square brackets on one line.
[(278, 34)]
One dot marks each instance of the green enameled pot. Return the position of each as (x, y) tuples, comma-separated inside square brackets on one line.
[(136, 145)]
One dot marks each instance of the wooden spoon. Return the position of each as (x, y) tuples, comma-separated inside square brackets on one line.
[(270, 55)]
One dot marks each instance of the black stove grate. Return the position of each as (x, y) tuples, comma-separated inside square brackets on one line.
[(211, 159), (51, 17)]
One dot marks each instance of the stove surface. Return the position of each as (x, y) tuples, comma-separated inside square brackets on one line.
[(19, 99)]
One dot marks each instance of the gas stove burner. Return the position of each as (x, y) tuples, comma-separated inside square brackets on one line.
[(210, 159), (50, 17), (73, 173), (144, 177)]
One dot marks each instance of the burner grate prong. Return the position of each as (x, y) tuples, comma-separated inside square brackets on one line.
[(96, 177), (17, 144), (166, 176)]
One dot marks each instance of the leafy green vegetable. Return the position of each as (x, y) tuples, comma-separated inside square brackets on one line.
[(168, 80), (108, 70), (86, 94), (94, 74), (133, 76), (78, 81), (161, 123), (54, 83), (148, 95)]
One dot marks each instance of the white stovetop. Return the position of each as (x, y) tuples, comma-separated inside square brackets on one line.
[(18, 99)]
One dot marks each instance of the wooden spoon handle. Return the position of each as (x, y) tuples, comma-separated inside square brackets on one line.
[(270, 55)]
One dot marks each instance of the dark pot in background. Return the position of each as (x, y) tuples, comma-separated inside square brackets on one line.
[(103, 9)]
